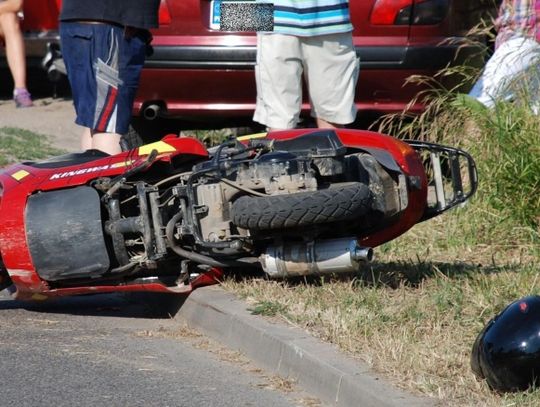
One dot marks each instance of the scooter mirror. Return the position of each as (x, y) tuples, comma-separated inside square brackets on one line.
[(246, 16)]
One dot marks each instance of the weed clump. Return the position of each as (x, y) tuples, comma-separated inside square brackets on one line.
[(414, 315)]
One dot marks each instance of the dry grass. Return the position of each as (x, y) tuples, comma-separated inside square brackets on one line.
[(413, 320), (413, 315)]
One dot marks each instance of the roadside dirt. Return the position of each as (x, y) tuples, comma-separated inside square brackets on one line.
[(53, 118)]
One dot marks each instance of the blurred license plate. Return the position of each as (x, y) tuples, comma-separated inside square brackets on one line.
[(215, 14), (241, 16)]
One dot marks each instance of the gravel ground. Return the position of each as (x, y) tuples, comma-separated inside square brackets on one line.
[(51, 117)]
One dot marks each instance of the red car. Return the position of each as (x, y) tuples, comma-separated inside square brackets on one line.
[(198, 73)]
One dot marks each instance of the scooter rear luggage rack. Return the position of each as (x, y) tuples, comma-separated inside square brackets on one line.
[(452, 176)]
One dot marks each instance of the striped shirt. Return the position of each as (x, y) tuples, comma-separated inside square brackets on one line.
[(518, 18), (306, 18)]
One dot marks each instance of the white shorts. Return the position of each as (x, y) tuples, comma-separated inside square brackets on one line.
[(512, 71), (330, 68)]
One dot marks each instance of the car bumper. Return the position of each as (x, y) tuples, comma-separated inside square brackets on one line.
[(243, 57), (193, 82)]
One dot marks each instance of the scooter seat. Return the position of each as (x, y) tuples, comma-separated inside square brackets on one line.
[(69, 159)]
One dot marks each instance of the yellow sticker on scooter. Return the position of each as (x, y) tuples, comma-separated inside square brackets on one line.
[(122, 164), (250, 136), (39, 297), (19, 175), (159, 146)]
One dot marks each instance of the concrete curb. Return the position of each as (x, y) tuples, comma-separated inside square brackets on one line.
[(290, 352)]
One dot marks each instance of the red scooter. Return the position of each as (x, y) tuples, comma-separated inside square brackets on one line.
[(173, 215)]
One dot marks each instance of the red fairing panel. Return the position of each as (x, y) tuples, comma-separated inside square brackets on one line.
[(20, 181)]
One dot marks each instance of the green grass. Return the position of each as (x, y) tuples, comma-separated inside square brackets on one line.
[(19, 145)]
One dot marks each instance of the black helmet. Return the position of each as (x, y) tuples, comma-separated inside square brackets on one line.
[(507, 351)]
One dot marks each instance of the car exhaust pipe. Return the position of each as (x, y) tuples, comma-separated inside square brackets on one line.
[(151, 112), (53, 63), (315, 258), (56, 71)]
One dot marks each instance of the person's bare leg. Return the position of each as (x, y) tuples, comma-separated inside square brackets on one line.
[(323, 124), (86, 139), (15, 53), (106, 142)]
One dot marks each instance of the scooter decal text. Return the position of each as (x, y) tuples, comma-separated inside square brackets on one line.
[(66, 174)]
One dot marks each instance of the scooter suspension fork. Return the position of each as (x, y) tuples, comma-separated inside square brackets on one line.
[(148, 224)]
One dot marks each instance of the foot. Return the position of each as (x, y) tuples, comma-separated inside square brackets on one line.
[(22, 98)]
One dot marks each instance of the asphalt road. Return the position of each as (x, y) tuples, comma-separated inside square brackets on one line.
[(113, 351)]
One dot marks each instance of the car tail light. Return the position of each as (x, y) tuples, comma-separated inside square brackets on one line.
[(406, 12), (391, 12), (164, 13), (430, 12)]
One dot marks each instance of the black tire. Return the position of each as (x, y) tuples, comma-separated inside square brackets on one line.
[(5, 279), (339, 203), (130, 140)]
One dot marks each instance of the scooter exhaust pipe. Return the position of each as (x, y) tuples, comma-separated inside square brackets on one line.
[(151, 112), (330, 256)]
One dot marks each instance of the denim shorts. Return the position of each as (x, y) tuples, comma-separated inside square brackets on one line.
[(104, 67)]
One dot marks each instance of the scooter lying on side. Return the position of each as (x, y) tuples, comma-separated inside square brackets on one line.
[(172, 215)]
